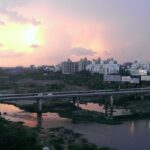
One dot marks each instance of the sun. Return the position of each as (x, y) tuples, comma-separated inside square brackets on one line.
[(30, 35)]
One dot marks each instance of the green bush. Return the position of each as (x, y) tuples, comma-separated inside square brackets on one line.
[(14, 136)]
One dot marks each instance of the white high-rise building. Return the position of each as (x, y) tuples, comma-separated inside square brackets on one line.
[(104, 67)]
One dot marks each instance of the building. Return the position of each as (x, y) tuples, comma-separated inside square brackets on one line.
[(82, 64), (108, 66), (139, 68), (112, 78), (58, 68), (69, 67), (111, 68)]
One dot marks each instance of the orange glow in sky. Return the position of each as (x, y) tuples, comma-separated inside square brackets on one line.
[(20, 37), (49, 31)]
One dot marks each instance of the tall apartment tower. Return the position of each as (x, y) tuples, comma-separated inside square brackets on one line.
[(82, 64), (69, 67)]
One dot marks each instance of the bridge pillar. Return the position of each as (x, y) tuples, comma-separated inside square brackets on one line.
[(39, 105), (106, 108), (74, 100), (111, 106), (78, 102)]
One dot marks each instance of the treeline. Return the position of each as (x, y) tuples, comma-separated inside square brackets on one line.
[(80, 79)]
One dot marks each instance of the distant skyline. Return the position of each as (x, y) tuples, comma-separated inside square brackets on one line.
[(50, 31)]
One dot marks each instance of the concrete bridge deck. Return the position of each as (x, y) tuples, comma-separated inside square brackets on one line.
[(71, 94)]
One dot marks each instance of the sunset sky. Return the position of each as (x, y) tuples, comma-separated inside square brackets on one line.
[(50, 31)]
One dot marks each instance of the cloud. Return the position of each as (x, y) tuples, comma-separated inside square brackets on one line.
[(34, 46), (2, 23), (15, 16), (81, 51), (9, 54)]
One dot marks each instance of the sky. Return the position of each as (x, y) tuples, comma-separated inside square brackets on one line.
[(50, 31)]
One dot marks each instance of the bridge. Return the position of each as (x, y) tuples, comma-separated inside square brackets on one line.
[(75, 96)]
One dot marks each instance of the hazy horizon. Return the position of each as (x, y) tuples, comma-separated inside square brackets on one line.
[(50, 31)]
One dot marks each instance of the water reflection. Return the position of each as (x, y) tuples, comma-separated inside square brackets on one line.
[(39, 120), (9, 108), (148, 124), (29, 119), (46, 120), (52, 120), (101, 108), (93, 107), (132, 127)]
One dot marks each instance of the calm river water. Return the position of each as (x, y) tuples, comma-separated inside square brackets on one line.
[(133, 135)]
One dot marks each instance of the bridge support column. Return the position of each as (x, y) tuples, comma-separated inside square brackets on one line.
[(106, 108), (39, 105), (78, 102), (111, 106), (74, 100)]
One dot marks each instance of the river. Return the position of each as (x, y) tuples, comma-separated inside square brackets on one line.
[(131, 135)]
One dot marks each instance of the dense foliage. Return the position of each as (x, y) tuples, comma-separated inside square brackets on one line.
[(56, 81), (14, 136)]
